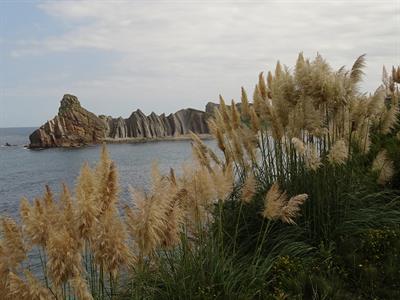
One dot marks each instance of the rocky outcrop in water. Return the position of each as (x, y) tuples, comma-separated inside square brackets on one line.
[(75, 126)]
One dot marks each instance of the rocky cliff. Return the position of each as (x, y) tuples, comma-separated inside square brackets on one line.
[(75, 126)]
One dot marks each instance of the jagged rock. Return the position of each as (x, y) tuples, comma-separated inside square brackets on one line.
[(210, 107), (75, 126)]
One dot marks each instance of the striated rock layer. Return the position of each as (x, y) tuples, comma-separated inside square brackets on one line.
[(75, 126)]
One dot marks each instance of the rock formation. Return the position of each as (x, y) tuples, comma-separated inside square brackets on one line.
[(75, 126)]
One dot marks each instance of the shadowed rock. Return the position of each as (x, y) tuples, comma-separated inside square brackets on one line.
[(75, 126)]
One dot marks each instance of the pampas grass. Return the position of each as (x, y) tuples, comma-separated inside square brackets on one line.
[(274, 201), (338, 153), (384, 167), (249, 189), (277, 205), (307, 134)]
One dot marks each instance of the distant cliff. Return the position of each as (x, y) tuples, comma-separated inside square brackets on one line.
[(75, 126)]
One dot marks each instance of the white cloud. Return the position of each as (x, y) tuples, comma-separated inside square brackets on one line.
[(186, 53)]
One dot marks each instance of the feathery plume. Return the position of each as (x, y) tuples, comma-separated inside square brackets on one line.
[(235, 116), (18, 289), (312, 159), (291, 210), (385, 77), (48, 198), (109, 245), (68, 215), (31, 289), (357, 72), (24, 208), (224, 113), (389, 119), (37, 290), (108, 194), (200, 150), (269, 80), (216, 132), (35, 222), (64, 259), (274, 201), (376, 102), (237, 148), (338, 153), (257, 100), (270, 113), (262, 86), (384, 167), (147, 222), (249, 140), (248, 189), (245, 104), (300, 63), (199, 184), (103, 196), (80, 288), (87, 209), (255, 122), (174, 220), (299, 146), (223, 182), (278, 69), (13, 242)]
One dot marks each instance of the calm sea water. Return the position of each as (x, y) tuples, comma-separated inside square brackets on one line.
[(25, 172)]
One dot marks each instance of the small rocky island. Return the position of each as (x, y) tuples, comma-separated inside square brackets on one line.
[(74, 126)]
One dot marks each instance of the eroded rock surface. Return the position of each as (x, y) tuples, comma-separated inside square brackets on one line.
[(75, 126)]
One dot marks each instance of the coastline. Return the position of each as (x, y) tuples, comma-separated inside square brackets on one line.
[(184, 137)]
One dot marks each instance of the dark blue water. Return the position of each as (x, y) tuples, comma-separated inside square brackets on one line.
[(25, 172)]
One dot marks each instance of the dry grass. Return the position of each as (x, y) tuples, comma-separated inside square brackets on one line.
[(310, 117)]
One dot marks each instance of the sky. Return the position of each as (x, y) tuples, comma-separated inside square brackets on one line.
[(162, 56)]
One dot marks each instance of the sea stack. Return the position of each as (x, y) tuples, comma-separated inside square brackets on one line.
[(75, 126)]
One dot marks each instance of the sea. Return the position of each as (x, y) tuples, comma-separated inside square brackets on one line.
[(25, 172)]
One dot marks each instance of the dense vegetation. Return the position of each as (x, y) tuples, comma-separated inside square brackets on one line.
[(303, 203)]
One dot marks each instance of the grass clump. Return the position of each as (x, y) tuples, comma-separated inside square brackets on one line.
[(302, 203)]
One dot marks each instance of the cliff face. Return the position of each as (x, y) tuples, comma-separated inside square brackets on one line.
[(75, 126)]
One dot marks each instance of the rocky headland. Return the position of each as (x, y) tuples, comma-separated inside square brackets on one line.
[(74, 126)]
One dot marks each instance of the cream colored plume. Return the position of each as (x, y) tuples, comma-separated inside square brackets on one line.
[(277, 206), (292, 209), (299, 146), (338, 153), (274, 201), (384, 167), (312, 158), (248, 189)]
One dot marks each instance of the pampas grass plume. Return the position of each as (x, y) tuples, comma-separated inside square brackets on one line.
[(291, 210), (299, 146), (274, 201), (13, 244), (87, 208), (245, 107), (248, 189), (338, 153), (312, 159), (384, 167)]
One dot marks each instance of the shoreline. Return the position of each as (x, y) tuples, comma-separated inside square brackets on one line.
[(133, 140)]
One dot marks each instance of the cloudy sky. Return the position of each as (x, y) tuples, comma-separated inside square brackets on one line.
[(117, 56)]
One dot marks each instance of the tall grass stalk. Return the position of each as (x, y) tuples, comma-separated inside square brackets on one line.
[(308, 162)]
